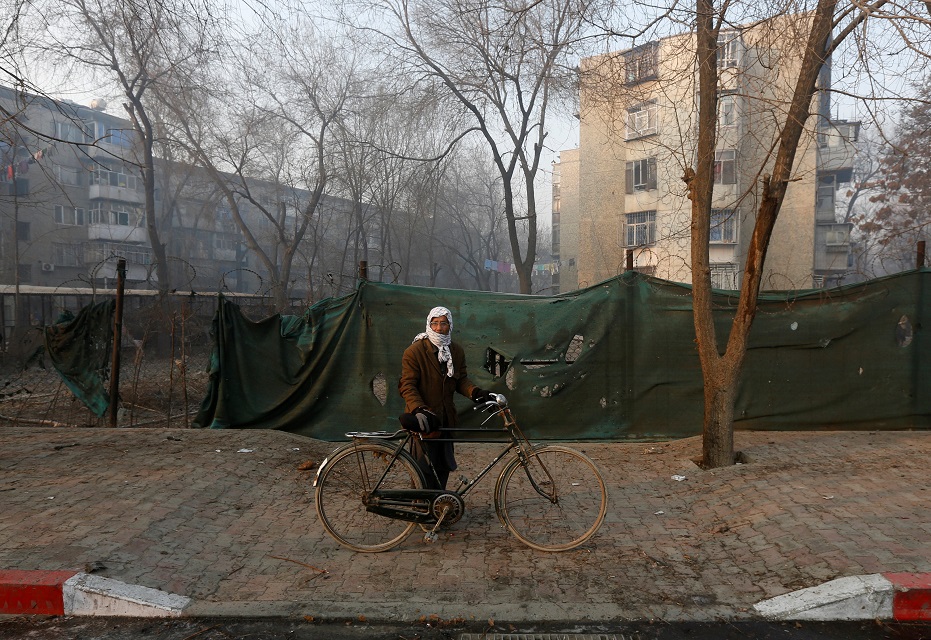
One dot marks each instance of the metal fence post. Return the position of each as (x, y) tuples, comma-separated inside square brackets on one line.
[(117, 342)]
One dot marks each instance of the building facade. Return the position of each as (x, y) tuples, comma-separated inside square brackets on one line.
[(72, 203), (622, 190)]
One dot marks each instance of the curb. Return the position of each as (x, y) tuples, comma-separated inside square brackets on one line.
[(72, 593), (903, 597)]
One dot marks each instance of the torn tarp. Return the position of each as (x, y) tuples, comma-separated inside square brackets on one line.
[(613, 361), (80, 349)]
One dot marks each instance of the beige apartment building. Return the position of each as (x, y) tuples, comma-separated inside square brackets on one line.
[(622, 191)]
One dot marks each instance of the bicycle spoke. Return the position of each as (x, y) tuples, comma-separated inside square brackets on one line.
[(347, 480), (525, 499)]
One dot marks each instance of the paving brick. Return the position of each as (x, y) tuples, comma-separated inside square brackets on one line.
[(186, 519)]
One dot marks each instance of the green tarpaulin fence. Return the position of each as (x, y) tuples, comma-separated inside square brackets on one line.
[(614, 361), (79, 348)]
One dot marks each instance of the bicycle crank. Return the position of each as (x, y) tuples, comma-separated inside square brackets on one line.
[(447, 509)]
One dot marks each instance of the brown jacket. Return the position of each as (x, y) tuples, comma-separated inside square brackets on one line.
[(424, 382)]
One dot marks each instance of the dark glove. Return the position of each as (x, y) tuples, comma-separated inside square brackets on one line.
[(480, 395), (422, 420)]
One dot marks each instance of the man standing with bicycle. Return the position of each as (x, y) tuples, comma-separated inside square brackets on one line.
[(432, 369)]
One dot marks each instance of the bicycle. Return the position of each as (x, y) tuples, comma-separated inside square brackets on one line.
[(370, 493)]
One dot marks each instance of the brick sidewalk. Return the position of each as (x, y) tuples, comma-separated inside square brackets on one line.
[(187, 512)]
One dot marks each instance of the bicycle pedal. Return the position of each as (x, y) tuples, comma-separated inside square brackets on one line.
[(430, 537)]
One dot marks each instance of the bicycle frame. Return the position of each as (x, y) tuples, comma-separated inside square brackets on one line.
[(383, 481), (415, 504)]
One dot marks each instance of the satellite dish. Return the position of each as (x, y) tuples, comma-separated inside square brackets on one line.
[(98, 104)]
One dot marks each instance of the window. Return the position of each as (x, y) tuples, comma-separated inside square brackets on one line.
[(723, 226), (67, 255), (640, 63), (67, 175), (640, 228), (725, 167), (22, 231), (104, 177), (641, 175), (724, 276), (837, 236), (134, 254), (827, 189), (727, 111), (125, 217), (641, 120), (69, 215), (71, 131), (729, 47), (229, 244), (118, 137)]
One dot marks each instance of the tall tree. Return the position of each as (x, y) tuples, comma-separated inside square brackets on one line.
[(505, 64), (139, 46), (272, 115), (825, 27)]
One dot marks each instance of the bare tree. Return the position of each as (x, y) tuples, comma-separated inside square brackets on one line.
[(675, 96), (826, 26), (504, 64), (139, 47), (472, 205), (272, 113)]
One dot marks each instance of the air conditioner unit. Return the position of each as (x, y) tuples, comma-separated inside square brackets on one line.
[(47, 266)]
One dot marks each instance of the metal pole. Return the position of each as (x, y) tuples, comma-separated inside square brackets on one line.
[(921, 254), (117, 341)]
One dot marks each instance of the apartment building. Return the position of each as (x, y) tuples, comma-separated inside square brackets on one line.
[(72, 202), (622, 190)]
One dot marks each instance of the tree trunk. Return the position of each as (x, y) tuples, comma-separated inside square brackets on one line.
[(717, 429)]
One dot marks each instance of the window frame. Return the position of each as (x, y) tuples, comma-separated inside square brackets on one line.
[(640, 225), (641, 63), (63, 214), (67, 176), (69, 131), (722, 270), (835, 228), (725, 113), (730, 49), (724, 226), (640, 175), (649, 110), (721, 164)]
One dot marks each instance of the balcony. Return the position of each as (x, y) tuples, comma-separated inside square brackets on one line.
[(120, 194), (224, 255), (836, 149), (117, 233)]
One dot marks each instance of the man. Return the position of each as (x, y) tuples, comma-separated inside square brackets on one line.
[(432, 369)]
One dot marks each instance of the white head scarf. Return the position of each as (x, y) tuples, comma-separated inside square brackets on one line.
[(440, 340)]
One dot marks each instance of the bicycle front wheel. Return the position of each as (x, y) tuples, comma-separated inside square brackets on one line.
[(555, 502), (344, 483)]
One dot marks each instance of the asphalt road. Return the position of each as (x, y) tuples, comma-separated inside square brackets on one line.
[(39, 628)]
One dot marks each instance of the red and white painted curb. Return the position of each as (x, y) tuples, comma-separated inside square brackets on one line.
[(81, 594), (878, 596)]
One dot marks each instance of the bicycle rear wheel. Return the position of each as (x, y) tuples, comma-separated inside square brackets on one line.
[(347, 479), (554, 503)]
